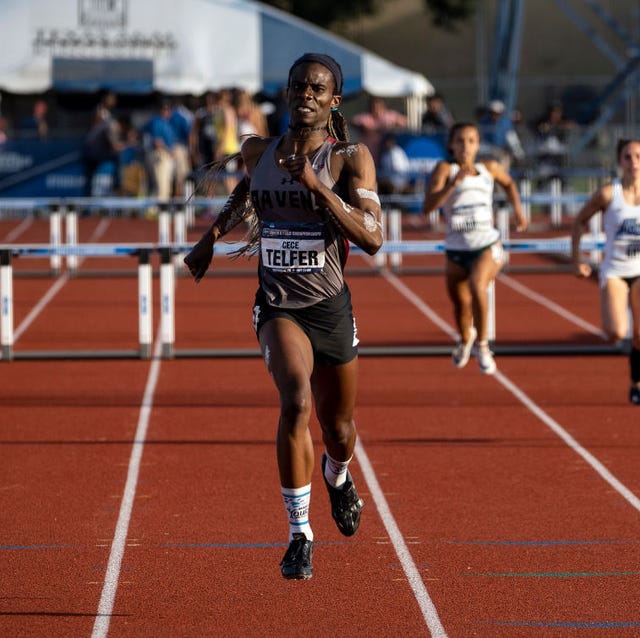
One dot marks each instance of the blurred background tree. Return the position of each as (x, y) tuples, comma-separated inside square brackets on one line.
[(445, 14)]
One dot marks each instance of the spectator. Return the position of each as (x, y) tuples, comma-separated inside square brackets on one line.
[(181, 120), (552, 132), (36, 124), (102, 144), (204, 132), (373, 124), (3, 130), (499, 139), (394, 174), (250, 117), (160, 139), (437, 118), (228, 136), (133, 180)]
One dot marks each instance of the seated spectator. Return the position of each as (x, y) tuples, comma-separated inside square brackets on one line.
[(374, 123)]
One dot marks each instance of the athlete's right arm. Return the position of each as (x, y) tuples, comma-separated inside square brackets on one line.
[(599, 201), (236, 209), (439, 188)]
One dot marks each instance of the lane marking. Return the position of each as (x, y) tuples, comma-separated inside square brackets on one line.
[(14, 233), (110, 586), (57, 285), (569, 625), (429, 612), (599, 467), (550, 305), (544, 543), (420, 592), (550, 574)]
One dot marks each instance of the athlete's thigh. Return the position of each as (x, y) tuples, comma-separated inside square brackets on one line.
[(634, 301), (487, 265), (614, 297), (457, 279), (334, 390), (287, 353)]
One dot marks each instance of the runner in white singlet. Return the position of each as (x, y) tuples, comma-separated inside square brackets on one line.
[(619, 203), (463, 188)]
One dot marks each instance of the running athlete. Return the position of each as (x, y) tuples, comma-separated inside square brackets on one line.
[(474, 254), (619, 272), (312, 192)]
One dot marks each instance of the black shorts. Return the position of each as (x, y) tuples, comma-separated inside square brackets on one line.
[(329, 325), (466, 258), (630, 280)]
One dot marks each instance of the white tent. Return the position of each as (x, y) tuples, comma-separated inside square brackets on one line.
[(181, 47)]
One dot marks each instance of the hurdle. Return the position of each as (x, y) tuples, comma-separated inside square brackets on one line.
[(167, 298), (145, 329)]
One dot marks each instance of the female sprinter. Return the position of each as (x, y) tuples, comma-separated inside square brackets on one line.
[(474, 254), (312, 192), (620, 270)]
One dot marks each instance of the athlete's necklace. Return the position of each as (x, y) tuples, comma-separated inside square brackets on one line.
[(311, 129)]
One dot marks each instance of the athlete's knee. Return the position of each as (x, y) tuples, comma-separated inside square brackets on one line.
[(338, 430), (295, 404)]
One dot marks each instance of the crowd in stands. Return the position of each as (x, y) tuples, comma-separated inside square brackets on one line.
[(184, 138), (177, 141)]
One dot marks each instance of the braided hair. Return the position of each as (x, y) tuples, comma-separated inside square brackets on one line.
[(337, 126)]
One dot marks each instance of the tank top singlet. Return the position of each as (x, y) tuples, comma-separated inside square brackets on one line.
[(302, 252), (469, 211), (621, 225)]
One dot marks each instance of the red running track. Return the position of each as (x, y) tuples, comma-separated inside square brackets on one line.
[(140, 498)]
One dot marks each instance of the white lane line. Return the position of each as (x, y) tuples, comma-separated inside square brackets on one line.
[(12, 235), (550, 305), (421, 305), (110, 586), (625, 492), (420, 592), (56, 286), (429, 612), (39, 307)]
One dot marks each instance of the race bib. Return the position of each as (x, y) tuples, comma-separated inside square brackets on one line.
[(296, 248)]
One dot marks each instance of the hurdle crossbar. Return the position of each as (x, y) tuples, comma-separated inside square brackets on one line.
[(167, 296)]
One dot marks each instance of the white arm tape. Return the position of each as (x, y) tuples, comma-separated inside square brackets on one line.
[(366, 194)]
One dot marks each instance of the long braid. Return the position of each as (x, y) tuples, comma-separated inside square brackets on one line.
[(338, 127)]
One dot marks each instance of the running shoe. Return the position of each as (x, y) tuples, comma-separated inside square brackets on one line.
[(634, 395), (462, 351), (296, 563), (486, 361), (346, 505)]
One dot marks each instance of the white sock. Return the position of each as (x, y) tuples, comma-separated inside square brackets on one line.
[(336, 471), (296, 502)]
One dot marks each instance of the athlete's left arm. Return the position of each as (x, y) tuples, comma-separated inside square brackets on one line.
[(359, 219), (510, 188)]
